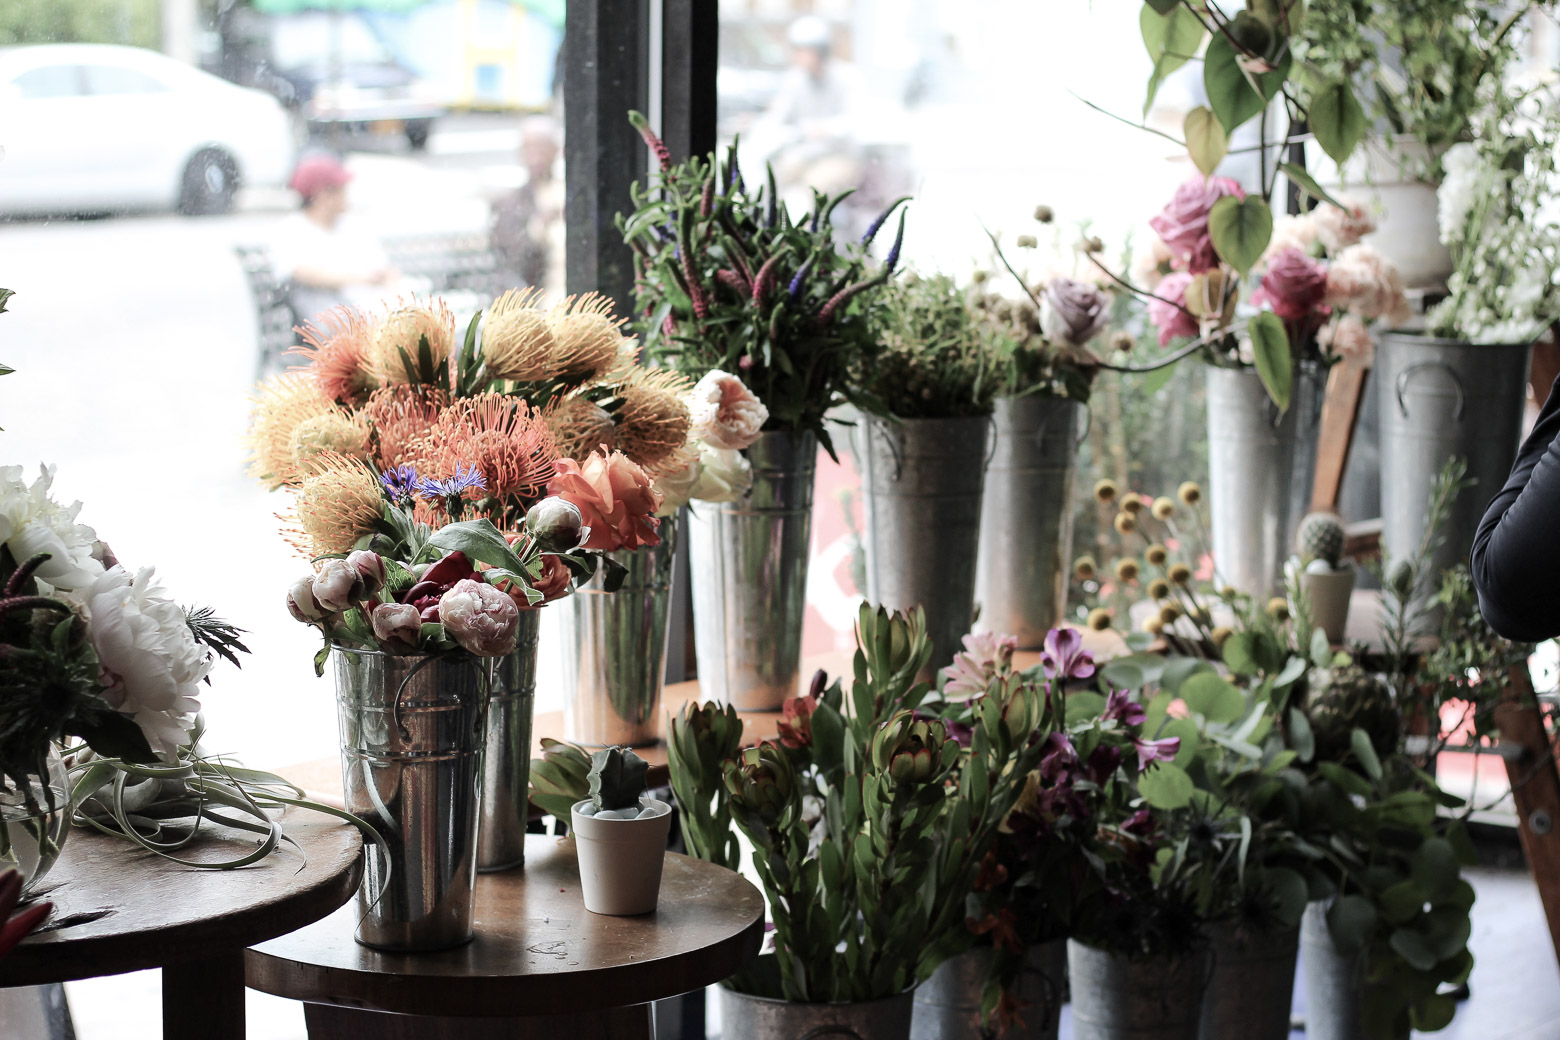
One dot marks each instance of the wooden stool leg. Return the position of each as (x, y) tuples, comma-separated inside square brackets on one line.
[(1535, 788), (337, 1023), (204, 1000)]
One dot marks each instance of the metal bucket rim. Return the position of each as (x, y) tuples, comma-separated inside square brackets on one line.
[(1408, 337), (906, 994)]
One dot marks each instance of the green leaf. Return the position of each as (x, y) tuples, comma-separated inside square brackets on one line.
[(1300, 736), (1336, 119), (1155, 381), (1436, 868), (1432, 1013), (1411, 946), (1163, 6), (1402, 902), (1347, 779), (1166, 786), (1084, 705), (1270, 350), (1359, 741), (1206, 140), (1290, 892), (1306, 183), (1191, 739), (1239, 656), (480, 541), (1179, 669), (6, 294), (1321, 649), (1215, 699), (1171, 37), (1230, 93), (1351, 919), (1240, 230)]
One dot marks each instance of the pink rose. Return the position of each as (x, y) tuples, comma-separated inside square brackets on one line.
[(397, 625), (615, 497), (1172, 321), (1367, 284), (1349, 339), (1338, 229), (482, 619), (725, 412), (1073, 312), (1183, 223), (337, 585), (1293, 285)]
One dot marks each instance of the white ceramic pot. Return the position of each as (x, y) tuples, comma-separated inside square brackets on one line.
[(620, 860), (1407, 232), (1329, 594)]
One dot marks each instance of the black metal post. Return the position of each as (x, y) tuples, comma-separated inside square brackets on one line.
[(690, 55), (605, 61)]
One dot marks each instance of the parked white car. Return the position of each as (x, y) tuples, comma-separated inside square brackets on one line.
[(92, 128)]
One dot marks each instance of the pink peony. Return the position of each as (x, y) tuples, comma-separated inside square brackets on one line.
[(337, 585), (1338, 229), (397, 625), (1183, 223), (725, 412), (1349, 339), (1172, 321), (301, 603), (370, 567), (482, 619), (1292, 232), (1293, 285), (1367, 284)]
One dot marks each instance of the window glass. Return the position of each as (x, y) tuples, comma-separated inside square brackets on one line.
[(49, 81), (114, 79)]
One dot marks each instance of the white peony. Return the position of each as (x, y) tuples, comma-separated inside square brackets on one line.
[(32, 523), (725, 412), (724, 475), (150, 664)]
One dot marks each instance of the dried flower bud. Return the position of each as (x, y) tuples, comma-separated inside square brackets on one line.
[(1228, 592), (1093, 244), (1189, 493), (1169, 613), (1180, 574), (1099, 619), (1027, 242), (1125, 524), (556, 524), (1121, 340), (980, 276), (1152, 625), (1044, 214), (1105, 491), (1126, 570), (1084, 568), (1159, 588), (1156, 554), (1278, 609), (1221, 635), (370, 567), (1163, 508)]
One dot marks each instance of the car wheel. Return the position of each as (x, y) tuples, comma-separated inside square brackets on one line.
[(209, 184), (417, 132)]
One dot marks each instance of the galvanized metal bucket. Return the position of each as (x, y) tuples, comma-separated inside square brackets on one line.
[(765, 1018), (1332, 981), (1117, 998), (1026, 517), (413, 735), (1260, 467), (947, 1005), (506, 772), (749, 568), (1439, 398), (1253, 984), (922, 482), (614, 649)]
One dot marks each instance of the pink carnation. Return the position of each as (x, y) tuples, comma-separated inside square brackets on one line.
[(1172, 321), (1183, 223), (1367, 284), (1349, 339), (1292, 285), (1338, 229)]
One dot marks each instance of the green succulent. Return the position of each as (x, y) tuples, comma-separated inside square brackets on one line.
[(616, 779)]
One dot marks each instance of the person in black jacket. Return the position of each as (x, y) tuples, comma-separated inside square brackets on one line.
[(1516, 553)]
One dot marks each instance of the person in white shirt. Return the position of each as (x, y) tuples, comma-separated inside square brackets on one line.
[(325, 262)]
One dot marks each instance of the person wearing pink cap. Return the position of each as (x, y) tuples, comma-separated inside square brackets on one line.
[(325, 261)]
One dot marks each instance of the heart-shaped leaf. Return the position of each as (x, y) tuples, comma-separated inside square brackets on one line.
[(1206, 140), (1270, 351), (1171, 35), (1240, 229), (1336, 119), (1306, 183)]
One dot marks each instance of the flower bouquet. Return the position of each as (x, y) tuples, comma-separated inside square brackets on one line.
[(729, 280)]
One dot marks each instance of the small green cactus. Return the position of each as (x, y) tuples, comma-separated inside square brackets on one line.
[(617, 779), (1320, 537)]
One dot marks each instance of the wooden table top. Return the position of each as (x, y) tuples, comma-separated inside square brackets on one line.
[(118, 908), (537, 950)]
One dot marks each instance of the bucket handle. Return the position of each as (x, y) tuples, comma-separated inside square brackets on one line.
[(845, 1031), (1407, 373), (992, 433)]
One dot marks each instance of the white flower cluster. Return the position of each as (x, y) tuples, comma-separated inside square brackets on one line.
[(1499, 213)]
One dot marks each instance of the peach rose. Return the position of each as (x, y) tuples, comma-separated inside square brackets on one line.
[(725, 412), (1349, 339), (1339, 228), (615, 497)]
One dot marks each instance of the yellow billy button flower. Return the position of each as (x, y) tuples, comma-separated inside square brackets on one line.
[(1156, 555), (1152, 625), (1163, 508), (1105, 491), (1278, 608), (1228, 593), (1180, 573), (1159, 588), (1221, 635), (1169, 613), (1132, 503), (1099, 619), (1127, 570), (1189, 493), (1084, 568), (1125, 523)]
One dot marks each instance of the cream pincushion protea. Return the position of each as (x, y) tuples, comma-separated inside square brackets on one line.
[(281, 405), (334, 431), (335, 349), (517, 338), (580, 426), (653, 421), (588, 341), (337, 504), (397, 339)]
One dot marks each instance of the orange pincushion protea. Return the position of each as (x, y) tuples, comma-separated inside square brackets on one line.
[(653, 420), (281, 404), (588, 341), (517, 338), (338, 503), (509, 444), (400, 419), (336, 349), (402, 330)]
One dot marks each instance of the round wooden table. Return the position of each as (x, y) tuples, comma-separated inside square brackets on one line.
[(118, 908), (541, 964)]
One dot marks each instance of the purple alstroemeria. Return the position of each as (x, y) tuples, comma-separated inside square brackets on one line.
[(1102, 763), (1155, 750), (1140, 823), (1064, 657), (1060, 759), (1120, 705)]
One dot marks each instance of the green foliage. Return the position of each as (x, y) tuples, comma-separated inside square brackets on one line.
[(132, 22), (937, 357), (702, 739), (559, 777)]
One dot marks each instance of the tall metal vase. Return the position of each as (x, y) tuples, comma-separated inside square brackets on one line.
[(506, 774), (614, 649), (1252, 985), (766, 1018), (1117, 998), (1261, 463), (1439, 398), (947, 1005), (1026, 517), (749, 568), (922, 481), (412, 743)]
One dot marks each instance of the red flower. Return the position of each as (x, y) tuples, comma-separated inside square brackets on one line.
[(796, 721), (1001, 927), (436, 581), (15, 929)]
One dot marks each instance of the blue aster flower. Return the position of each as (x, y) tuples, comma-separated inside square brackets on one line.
[(399, 483), (466, 478)]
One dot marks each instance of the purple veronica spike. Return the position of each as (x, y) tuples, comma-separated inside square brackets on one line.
[(795, 288), (899, 240)]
